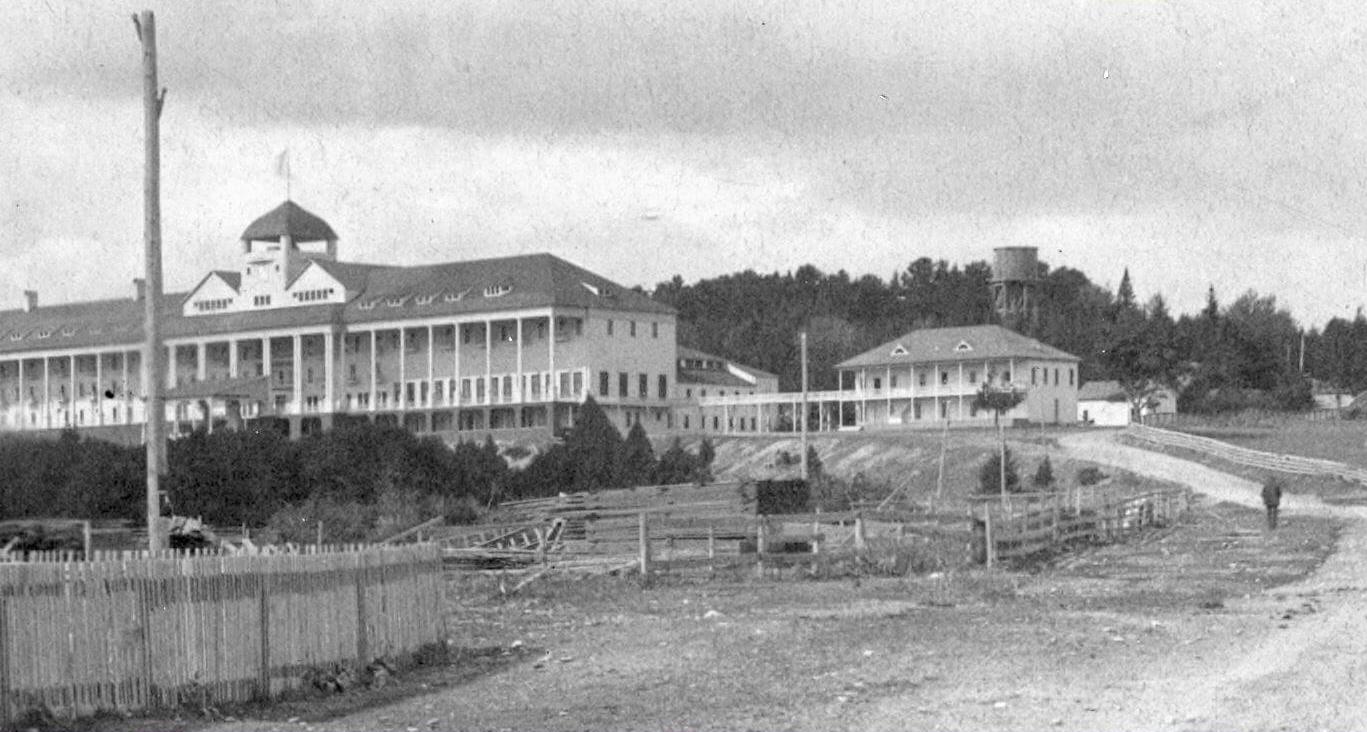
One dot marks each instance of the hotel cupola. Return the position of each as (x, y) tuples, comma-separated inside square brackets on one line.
[(277, 246)]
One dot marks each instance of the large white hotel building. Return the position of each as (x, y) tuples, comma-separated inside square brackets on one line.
[(512, 343)]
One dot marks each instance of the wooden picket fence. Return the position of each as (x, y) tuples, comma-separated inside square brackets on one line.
[(135, 633), (1025, 525), (1244, 456)]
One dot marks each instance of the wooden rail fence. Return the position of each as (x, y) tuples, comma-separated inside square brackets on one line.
[(1025, 525), (140, 633), (1245, 456)]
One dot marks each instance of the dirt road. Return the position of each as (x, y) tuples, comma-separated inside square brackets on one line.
[(1308, 676), (1113, 645)]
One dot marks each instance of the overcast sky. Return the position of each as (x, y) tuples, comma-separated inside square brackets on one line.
[(1196, 143)]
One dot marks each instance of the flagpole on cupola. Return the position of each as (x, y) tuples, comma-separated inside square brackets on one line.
[(152, 368), (282, 168)]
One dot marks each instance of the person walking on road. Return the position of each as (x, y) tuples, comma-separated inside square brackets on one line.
[(1272, 499)]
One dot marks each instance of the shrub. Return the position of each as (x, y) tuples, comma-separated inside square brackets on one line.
[(1044, 475), (990, 477), (1090, 475)]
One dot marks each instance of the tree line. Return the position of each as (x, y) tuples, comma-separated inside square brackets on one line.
[(1240, 355)]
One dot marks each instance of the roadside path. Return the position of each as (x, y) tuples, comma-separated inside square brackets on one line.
[(1305, 675)]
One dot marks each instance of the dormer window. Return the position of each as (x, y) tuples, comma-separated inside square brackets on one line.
[(44, 334), (498, 290), (68, 331), (369, 304), (455, 296), (900, 350), (425, 299), (394, 302), (16, 336), (963, 346)]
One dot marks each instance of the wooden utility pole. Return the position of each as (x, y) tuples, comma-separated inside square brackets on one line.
[(152, 370), (802, 419)]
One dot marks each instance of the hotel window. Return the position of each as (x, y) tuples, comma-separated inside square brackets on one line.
[(1070, 376), (892, 381), (664, 386), (643, 382), (973, 377), (622, 384), (944, 378), (877, 383), (922, 380), (1056, 382), (1034, 371), (632, 328), (654, 330), (609, 326), (604, 383), (577, 379)]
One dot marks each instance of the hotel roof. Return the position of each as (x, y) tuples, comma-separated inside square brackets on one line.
[(944, 345), (378, 294)]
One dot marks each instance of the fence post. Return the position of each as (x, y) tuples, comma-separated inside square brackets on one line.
[(711, 548), (860, 541), (145, 585), (263, 597), (987, 534), (761, 546), (645, 545), (6, 714), (362, 641)]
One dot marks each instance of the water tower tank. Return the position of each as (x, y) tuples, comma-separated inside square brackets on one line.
[(1015, 277), (1015, 264)]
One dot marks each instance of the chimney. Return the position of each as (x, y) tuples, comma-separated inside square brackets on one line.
[(139, 289), (30, 300)]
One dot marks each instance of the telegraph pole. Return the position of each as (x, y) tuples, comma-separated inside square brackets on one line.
[(152, 370), (803, 418)]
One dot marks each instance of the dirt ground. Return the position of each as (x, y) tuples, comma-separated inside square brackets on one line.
[(1213, 624)]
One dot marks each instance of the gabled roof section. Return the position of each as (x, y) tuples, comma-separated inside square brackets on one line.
[(504, 283), (234, 279), (684, 352), (969, 343), (1101, 391), (289, 219)]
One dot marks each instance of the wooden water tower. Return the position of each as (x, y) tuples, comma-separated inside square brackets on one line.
[(1015, 287)]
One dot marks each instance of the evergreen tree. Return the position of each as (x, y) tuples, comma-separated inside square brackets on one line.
[(702, 469), (592, 446), (637, 459), (1044, 475), (990, 477), (676, 465)]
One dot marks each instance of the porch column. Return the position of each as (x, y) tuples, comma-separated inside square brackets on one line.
[(961, 390), (431, 348), (99, 388), (551, 393), (266, 366), (47, 395), (403, 369), (517, 394), (488, 361), (71, 393), (329, 372), (127, 390), (201, 361), (232, 358), (297, 362), (374, 373), (455, 366)]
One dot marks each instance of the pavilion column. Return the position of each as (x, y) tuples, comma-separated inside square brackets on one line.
[(201, 361), (329, 373), (232, 358), (127, 390), (374, 373), (297, 363)]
